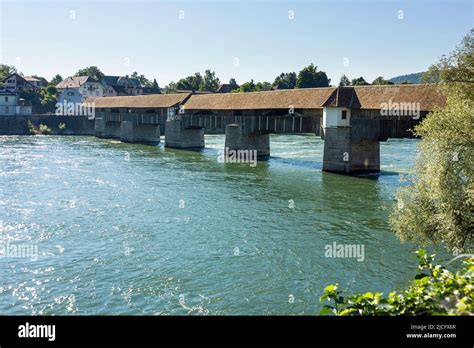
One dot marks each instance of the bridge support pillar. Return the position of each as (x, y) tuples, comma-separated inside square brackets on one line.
[(236, 138), (112, 130), (99, 127), (142, 133), (177, 136), (344, 153)]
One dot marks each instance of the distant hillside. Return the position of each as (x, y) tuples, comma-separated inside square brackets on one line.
[(412, 78)]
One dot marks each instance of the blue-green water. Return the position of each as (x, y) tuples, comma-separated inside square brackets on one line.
[(133, 229)]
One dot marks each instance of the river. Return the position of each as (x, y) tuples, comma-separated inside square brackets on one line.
[(135, 229)]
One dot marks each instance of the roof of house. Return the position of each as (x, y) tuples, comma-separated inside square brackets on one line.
[(120, 90), (224, 88), (110, 80), (75, 81), (31, 79), (308, 98), (7, 92), (134, 82), (139, 101)]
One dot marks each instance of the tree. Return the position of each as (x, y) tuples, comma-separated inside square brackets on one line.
[(310, 77), (285, 81), (155, 88), (434, 291), (344, 81), (171, 87), (437, 205), (91, 71), (263, 86), (247, 87), (144, 82), (192, 82), (233, 84), (359, 82), (48, 98), (209, 82), (5, 71), (55, 80), (381, 81)]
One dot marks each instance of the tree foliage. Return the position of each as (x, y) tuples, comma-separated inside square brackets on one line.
[(144, 82), (209, 82), (434, 291), (55, 80), (5, 71), (91, 71), (381, 81), (251, 86), (344, 81), (285, 81), (437, 204), (310, 77), (359, 82), (247, 87), (233, 84), (192, 82)]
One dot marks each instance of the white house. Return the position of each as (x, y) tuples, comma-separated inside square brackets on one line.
[(7, 103), (76, 89), (10, 105)]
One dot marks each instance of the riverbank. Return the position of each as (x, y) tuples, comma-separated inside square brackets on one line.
[(58, 125)]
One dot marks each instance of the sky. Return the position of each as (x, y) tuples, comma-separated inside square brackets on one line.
[(168, 40)]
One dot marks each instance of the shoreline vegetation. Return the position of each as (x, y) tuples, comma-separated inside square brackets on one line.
[(437, 207)]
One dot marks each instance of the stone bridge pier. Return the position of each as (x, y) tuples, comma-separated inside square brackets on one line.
[(130, 132), (127, 129), (237, 137), (177, 135), (106, 129), (351, 144)]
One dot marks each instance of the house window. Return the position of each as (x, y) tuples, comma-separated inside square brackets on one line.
[(6, 99), (97, 93), (344, 114)]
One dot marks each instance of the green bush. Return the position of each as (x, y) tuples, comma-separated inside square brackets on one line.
[(434, 291)]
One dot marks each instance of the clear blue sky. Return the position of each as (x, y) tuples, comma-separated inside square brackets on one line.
[(120, 37)]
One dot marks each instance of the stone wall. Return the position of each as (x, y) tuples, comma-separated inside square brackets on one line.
[(73, 125)]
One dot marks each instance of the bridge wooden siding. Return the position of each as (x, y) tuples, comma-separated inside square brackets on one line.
[(304, 121)]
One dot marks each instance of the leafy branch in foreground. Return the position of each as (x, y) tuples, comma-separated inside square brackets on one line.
[(434, 291), (437, 204)]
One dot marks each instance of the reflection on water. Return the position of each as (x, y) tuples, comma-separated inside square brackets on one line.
[(134, 229)]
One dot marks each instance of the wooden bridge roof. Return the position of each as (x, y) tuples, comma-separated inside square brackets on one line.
[(307, 98), (359, 97), (372, 97), (152, 101), (363, 97)]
